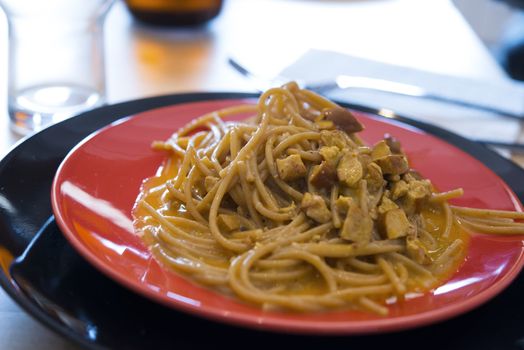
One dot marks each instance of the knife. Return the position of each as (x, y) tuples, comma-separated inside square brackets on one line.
[(381, 85), (346, 82)]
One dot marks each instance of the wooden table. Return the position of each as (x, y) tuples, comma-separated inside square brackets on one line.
[(143, 61)]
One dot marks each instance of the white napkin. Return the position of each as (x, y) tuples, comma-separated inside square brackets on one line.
[(322, 66)]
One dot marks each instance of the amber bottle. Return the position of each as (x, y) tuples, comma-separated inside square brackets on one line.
[(174, 12)]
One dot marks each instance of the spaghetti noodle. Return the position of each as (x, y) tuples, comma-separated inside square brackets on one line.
[(291, 210)]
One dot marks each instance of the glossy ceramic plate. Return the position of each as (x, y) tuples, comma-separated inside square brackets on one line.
[(96, 186), (45, 275)]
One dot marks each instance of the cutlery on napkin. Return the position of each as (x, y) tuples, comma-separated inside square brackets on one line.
[(317, 66)]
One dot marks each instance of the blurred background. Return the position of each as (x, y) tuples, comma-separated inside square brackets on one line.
[(471, 50), (500, 26), (466, 50), (162, 46)]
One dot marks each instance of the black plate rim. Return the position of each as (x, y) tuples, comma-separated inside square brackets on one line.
[(477, 150)]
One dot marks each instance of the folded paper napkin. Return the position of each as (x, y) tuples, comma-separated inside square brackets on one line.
[(317, 66)]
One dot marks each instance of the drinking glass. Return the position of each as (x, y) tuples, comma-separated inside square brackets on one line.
[(56, 59)]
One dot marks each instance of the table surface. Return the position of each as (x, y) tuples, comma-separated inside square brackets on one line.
[(142, 61)]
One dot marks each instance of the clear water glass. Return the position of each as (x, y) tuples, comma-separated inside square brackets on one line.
[(56, 60)]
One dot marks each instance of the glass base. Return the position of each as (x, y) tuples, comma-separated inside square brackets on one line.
[(36, 107)]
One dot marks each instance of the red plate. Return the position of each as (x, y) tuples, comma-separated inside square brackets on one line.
[(95, 188)]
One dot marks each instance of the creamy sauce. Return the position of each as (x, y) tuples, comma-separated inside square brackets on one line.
[(309, 281)]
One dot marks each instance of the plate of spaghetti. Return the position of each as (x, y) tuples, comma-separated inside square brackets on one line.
[(290, 213)]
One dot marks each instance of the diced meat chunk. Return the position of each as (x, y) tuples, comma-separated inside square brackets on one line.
[(419, 189), (343, 119), (291, 168), (396, 223), (335, 138), (228, 222), (416, 250), (418, 192), (349, 170), (343, 203), (374, 177), (358, 225), (412, 175), (386, 205), (330, 154), (394, 164), (315, 208), (399, 189), (323, 175), (365, 159), (380, 150), (393, 144)]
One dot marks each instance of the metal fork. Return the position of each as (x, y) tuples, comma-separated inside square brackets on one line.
[(373, 84)]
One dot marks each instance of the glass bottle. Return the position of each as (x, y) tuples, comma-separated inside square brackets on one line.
[(174, 12)]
